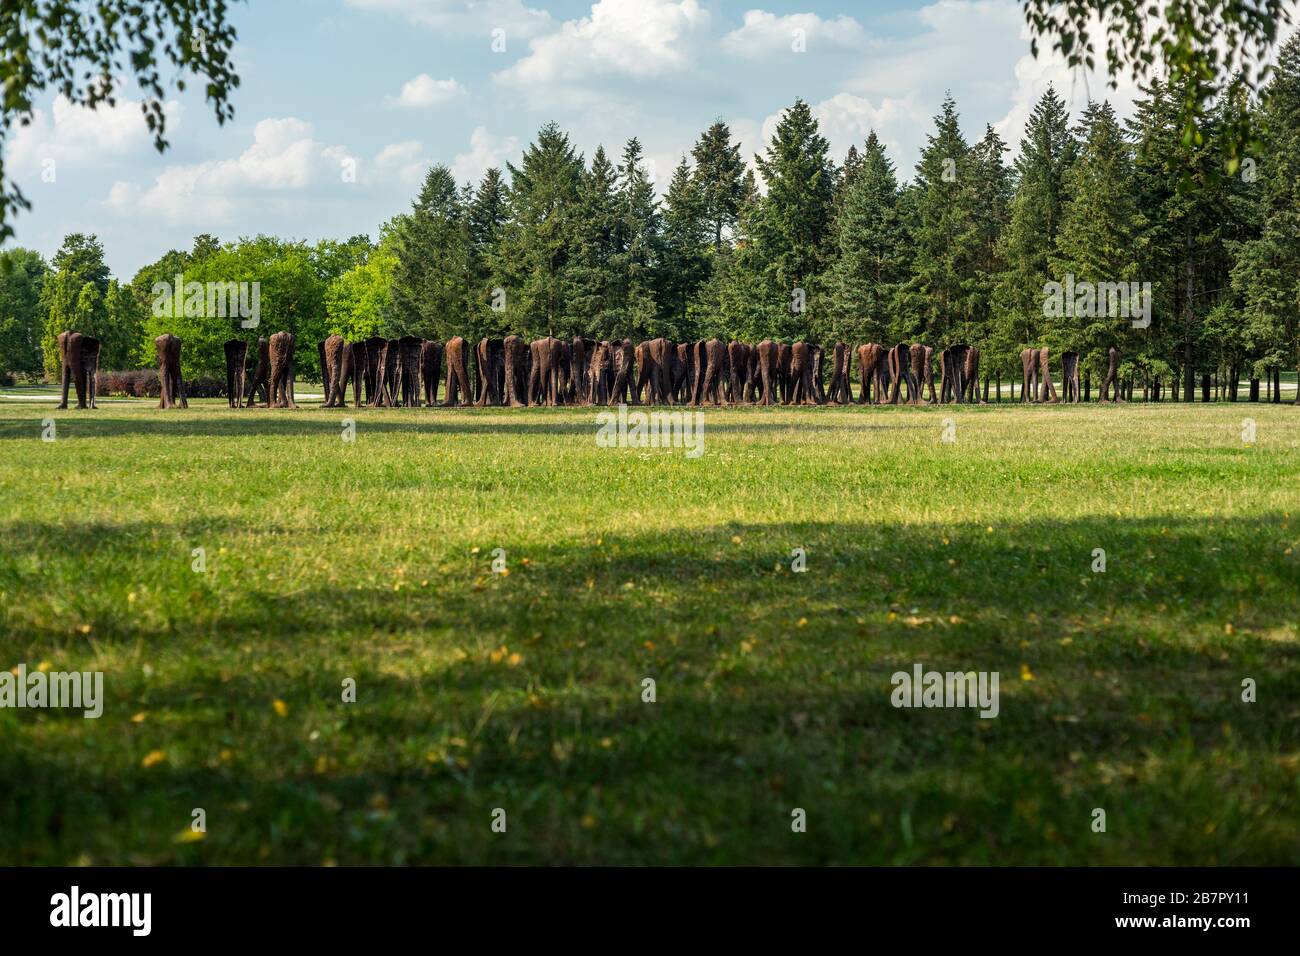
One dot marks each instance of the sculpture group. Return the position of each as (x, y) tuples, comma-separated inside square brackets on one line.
[(406, 372), (508, 371)]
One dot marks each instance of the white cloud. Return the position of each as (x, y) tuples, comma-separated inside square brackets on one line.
[(78, 135), (283, 158), (464, 17), (424, 91), (963, 45), (765, 34), (846, 119), (405, 162), (640, 39), (485, 152)]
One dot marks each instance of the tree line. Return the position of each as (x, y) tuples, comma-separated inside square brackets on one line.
[(809, 248)]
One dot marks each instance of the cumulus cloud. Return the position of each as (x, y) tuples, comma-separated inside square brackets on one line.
[(405, 162), (78, 135), (846, 119), (283, 158), (764, 34), (424, 91), (963, 45), (485, 151), (640, 39)]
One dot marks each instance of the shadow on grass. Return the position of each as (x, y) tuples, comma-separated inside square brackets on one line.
[(1119, 690), (1037, 574)]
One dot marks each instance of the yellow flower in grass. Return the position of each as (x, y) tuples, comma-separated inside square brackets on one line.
[(189, 835), (153, 758), (1026, 673), (281, 707)]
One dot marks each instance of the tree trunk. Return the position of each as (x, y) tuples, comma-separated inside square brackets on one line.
[(1189, 363)]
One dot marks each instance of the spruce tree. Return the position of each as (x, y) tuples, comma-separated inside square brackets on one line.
[(943, 290), (871, 261), (1101, 240), (540, 242), (593, 296), (638, 253), (785, 235), (720, 180), (431, 289), (992, 184), (686, 252), (1267, 272), (1047, 151)]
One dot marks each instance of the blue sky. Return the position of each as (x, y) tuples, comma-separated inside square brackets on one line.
[(384, 88)]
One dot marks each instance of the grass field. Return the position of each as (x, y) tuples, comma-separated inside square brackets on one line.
[(371, 560)]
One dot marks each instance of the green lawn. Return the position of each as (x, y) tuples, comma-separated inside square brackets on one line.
[(371, 560)]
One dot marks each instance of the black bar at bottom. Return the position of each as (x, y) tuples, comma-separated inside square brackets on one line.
[(301, 906)]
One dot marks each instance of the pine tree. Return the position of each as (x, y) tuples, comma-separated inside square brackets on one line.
[(431, 290), (541, 240), (795, 216), (871, 263), (637, 257), (1267, 272), (944, 289), (1100, 240), (720, 180), (1185, 200), (593, 297), (1047, 151), (848, 172), (992, 210), (685, 262), (786, 235), (487, 220)]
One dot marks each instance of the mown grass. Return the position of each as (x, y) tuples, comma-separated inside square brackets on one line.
[(371, 560)]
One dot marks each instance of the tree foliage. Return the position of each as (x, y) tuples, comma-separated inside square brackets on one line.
[(82, 50)]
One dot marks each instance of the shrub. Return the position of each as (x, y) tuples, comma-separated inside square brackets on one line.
[(130, 383), (143, 383), (205, 387)]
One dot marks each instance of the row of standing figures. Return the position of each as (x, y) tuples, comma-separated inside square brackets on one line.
[(551, 371), (508, 371)]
